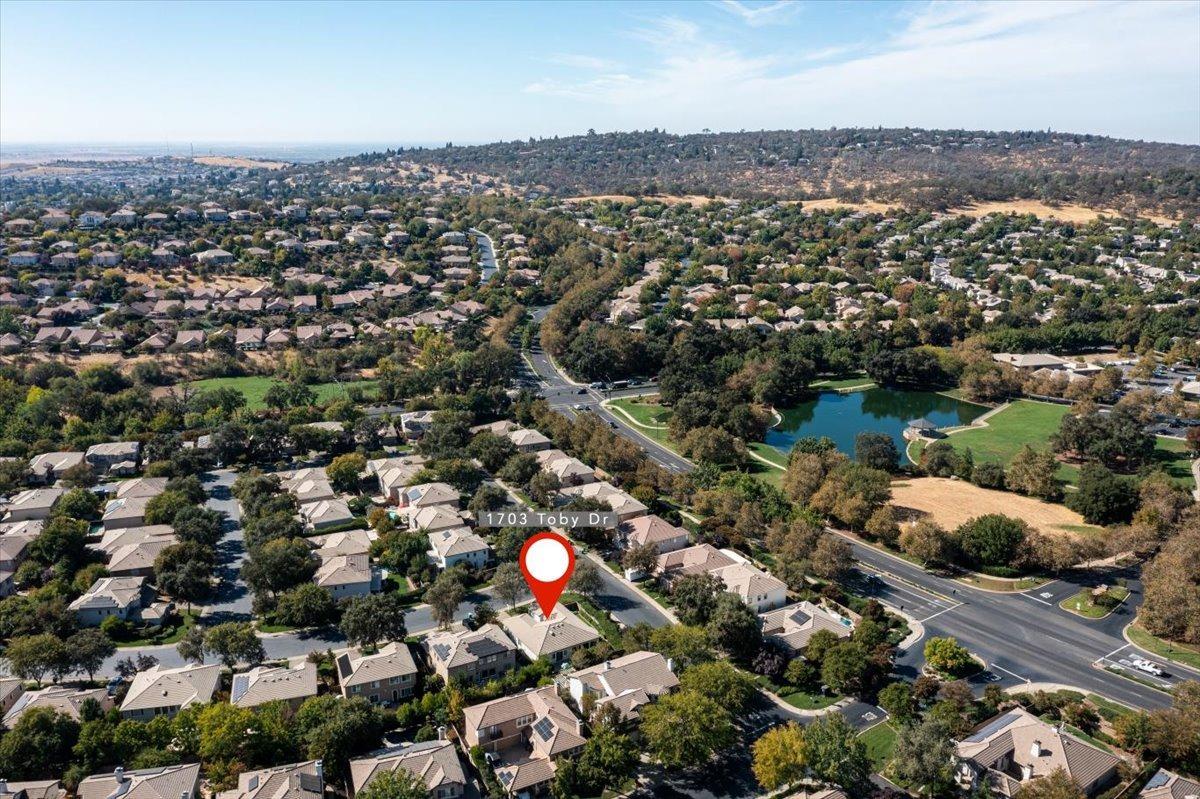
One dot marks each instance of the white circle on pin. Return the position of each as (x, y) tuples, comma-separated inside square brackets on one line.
[(547, 560)]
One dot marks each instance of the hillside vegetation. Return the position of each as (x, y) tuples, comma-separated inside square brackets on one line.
[(938, 169)]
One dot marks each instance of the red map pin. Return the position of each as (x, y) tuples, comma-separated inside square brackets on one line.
[(547, 561)]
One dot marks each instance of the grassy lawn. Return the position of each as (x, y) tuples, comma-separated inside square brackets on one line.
[(880, 740), (1186, 654), (1082, 604), (594, 616), (254, 388), (833, 384), (797, 698), (645, 410), (1031, 422), (167, 635)]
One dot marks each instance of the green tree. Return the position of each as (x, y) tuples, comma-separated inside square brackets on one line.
[(234, 642), (370, 619), (695, 597), (948, 656), (836, 755), (78, 503), (334, 729), (1103, 497), (444, 596), (88, 649), (779, 756), (897, 699), (32, 657), (161, 509), (509, 583), (345, 471), (39, 743), (876, 451), (685, 729), (278, 565), (585, 579), (191, 646), (992, 539), (306, 605), (686, 645), (734, 627), (924, 755), (721, 682), (844, 668)]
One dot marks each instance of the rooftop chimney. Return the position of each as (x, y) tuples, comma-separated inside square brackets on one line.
[(442, 732), (1035, 749), (119, 773)]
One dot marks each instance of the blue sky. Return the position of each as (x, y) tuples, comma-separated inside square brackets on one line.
[(469, 72)]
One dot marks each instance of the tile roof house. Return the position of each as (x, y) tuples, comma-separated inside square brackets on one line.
[(653, 530), (698, 559), (383, 677), (325, 513), (294, 781), (621, 503), (348, 575), (529, 440), (59, 698), (137, 559), (49, 466), (434, 762), (11, 689), (162, 691), (32, 789), (120, 456), (1011, 749), (166, 782), (457, 545), (141, 487), (528, 732), (125, 512), (126, 598), (474, 655), (759, 590), (793, 625), (429, 494), (34, 503), (554, 638), (290, 684), (434, 518), (629, 683)]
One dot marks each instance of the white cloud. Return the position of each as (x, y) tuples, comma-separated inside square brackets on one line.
[(579, 61), (1103, 67), (756, 15)]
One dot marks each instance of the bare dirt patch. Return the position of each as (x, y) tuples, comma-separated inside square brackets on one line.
[(828, 203), (694, 200), (239, 163), (1065, 213), (952, 502)]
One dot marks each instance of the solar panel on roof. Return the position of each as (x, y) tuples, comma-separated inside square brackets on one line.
[(1159, 779), (544, 728), (442, 650), (505, 777), (800, 617), (241, 684), (991, 729), (484, 647)]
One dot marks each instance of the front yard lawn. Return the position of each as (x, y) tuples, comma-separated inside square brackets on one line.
[(880, 741), (168, 634)]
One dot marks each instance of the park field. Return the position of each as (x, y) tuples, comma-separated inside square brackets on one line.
[(1002, 435), (254, 388)]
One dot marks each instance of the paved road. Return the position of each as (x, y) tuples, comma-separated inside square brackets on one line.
[(623, 602), (1023, 637), (487, 255), (232, 601)]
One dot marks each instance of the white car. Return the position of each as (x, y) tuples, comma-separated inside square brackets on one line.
[(1148, 666)]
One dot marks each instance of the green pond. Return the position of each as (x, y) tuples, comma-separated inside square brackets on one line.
[(841, 417)]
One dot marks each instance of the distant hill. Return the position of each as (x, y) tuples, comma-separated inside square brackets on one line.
[(928, 168)]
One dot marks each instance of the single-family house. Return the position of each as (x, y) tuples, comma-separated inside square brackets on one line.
[(628, 683), (384, 677), (475, 655), (555, 637), (161, 691), (288, 684)]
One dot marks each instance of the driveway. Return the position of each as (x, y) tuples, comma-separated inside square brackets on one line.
[(232, 600)]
